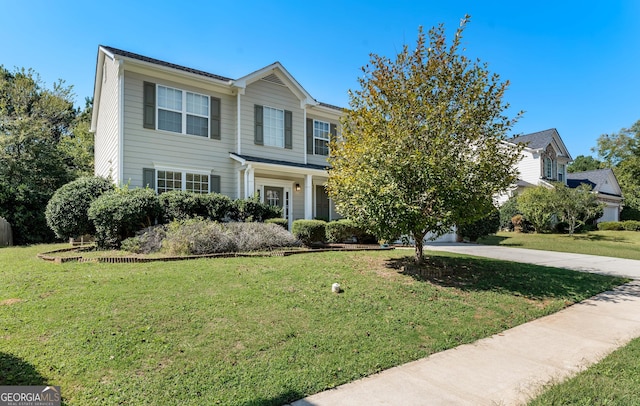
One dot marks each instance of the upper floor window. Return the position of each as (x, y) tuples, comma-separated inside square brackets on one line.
[(320, 137), (169, 109), (273, 127), (183, 112)]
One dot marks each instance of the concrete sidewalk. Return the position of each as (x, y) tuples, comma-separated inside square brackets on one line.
[(511, 367)]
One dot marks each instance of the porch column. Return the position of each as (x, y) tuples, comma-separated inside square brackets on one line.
[(308, 197), (249, 182)]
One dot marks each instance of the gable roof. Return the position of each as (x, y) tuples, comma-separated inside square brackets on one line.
[(541, 140), (596, 179)]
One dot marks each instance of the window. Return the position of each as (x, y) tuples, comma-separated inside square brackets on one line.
[(273, 127), (561, 172), (169, 181), (197, 183), (548, 168), (183, 112), (320, 138)]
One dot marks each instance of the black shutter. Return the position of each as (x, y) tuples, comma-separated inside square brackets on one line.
[(149, 178), (288, 129), (310, 136), (258, 138), (149, 119), (214, 183), (215, 118)]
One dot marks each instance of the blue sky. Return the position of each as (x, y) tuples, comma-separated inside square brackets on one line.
[(572, 65)]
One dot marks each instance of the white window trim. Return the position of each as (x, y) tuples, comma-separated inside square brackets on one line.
[(183, 174), (183, 112), (319, 138), (264, 127)]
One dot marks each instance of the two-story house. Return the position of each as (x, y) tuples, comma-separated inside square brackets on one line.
[(544, 160), (170, 127)]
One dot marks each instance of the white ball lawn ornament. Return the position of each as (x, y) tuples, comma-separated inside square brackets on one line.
[(335, 288)]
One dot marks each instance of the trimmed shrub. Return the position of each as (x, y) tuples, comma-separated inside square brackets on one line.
[(610, 226), (118, 214), (490, 224), (67, 210), (518, 223), (245, 210), (284, 223), (345, 230), (197, 237), (629, 213), (309, 231), (631, 225), (182, 205)]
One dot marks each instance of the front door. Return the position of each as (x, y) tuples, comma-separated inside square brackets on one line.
[(274, 196)]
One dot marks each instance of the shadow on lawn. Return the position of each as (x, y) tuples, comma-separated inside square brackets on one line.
[(15, 371), (483, 274), (280, 399)]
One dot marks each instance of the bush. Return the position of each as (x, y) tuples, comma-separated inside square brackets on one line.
[(199, 237), (260, 236), (490, 224), (561, 228), (610, 226), (182, 205), (244, 210), (507, 211), (284, 223), (631, 225), (67, 210), (345, 230), (118, 214), (629, 213), (309, 231), (518, 223)]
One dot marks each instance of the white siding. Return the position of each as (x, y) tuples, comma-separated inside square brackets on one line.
[(144, 148), (107, 126), (530, 167), (279, 97)]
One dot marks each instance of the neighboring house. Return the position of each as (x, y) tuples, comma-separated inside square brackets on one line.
[(604, 183), (171, 127), (544, 160)]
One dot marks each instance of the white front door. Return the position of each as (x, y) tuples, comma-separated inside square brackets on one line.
[(276, 193)]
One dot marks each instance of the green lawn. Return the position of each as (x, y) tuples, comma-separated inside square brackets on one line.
[(252, 331), (613, 381), (620, 244)]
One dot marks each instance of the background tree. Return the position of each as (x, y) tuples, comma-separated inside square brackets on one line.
[(537, 206), (584, 163), (621, 151), (77, 146), (575, 206), (32, 122), (422, 143)]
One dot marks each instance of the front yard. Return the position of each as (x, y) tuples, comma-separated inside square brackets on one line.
[(252, 331), (619, 244)]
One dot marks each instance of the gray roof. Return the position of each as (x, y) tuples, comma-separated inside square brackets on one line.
[(143, 58), (538, 140), (596, 179), (131, 55), (278, 162)]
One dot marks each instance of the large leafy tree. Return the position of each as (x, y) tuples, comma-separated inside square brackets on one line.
[(422, 143), (621, 151), (584, 163), (575, 206), (537, 206), (33, 120)]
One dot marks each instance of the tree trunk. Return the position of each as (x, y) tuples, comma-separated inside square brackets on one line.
[(418, 241)]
